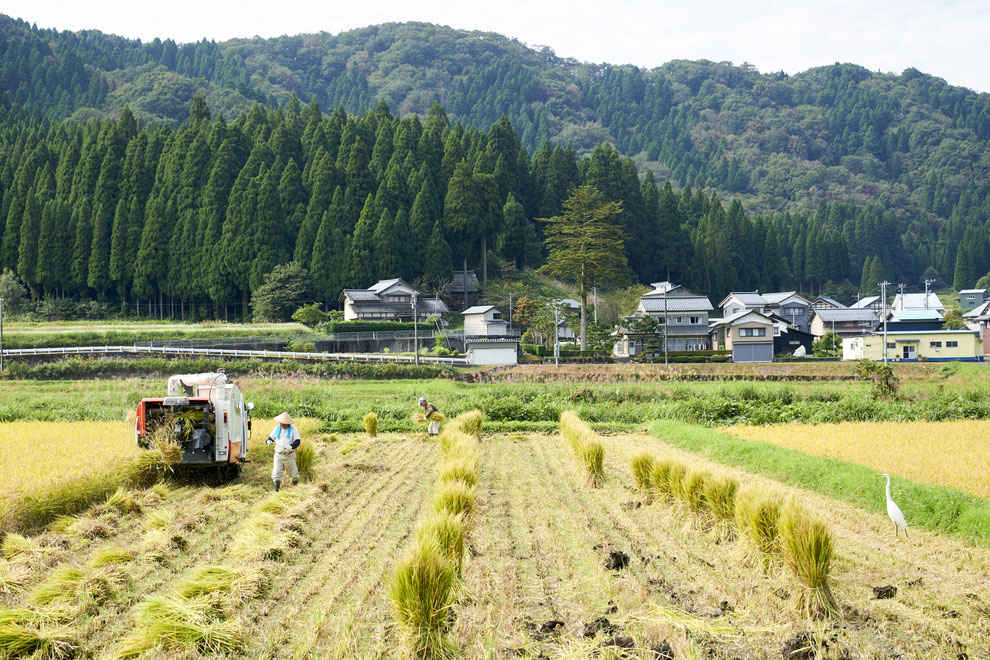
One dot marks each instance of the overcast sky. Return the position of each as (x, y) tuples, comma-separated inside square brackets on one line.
[(946, 38)]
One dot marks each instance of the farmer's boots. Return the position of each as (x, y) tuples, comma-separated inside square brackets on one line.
[(278, 484)]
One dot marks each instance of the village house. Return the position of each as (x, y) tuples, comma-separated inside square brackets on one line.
[(908, 346), (678, 310), (463, 288), (901, 320), (978, 320), (389, 300), (917, 301), (788, 304), (748, 334), (971, 298), (484, 321), (874, 303), (847, 322), (824, 302)]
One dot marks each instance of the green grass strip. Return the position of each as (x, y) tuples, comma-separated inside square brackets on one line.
[(931, 507)]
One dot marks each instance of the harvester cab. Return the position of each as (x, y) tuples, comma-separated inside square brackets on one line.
[(205, 414)]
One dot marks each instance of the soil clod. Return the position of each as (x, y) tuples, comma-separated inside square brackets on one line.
[(620, 641), (629, 506), (617, 560), (662, 651), (885, 592), (800, 647), (600, 624)]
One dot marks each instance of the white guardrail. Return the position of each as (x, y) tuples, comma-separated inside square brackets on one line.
[(232, 352)]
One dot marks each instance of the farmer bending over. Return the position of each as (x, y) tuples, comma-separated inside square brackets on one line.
[(429, 409), (286, 438)]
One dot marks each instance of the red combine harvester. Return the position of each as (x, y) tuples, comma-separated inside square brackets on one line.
[(207, 417)]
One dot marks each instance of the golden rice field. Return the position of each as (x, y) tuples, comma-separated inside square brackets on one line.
[(950, 454), (37, 455)]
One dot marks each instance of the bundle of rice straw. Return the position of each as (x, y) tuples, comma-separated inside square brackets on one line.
[(419, 418)]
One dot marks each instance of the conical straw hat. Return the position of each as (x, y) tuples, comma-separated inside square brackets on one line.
[(284, 418)]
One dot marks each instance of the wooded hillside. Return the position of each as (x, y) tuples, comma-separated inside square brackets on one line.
[(894, 168)]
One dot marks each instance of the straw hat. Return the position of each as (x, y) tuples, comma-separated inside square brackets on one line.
[(284, 418)]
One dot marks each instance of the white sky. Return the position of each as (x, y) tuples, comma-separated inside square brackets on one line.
[(946, 38)]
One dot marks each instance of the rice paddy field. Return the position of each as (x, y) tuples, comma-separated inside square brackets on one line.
[(952, 454), (553, 564), (39, 455)]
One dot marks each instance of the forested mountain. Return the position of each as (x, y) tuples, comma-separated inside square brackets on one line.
[(851, 173)]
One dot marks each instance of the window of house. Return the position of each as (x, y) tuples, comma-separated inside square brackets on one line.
[(694, 319), (680, 319), (934, 344), (952, 344), (752, 332), (891, 344), (497, 316)]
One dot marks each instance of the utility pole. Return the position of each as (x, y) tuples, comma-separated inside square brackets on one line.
[(556, 336), (928, 283), (900, 289), (415, 330), (1, 334), (883, 297), (666, 359), (510, 314)]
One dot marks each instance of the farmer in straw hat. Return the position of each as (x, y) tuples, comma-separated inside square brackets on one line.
[(286, 438), (429, 409)]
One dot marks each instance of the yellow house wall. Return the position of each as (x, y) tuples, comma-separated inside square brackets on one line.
[(968, 348)]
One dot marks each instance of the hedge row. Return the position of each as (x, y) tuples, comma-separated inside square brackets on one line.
[(78, 367)]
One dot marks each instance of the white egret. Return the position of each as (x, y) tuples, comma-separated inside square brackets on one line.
[(893, 510)]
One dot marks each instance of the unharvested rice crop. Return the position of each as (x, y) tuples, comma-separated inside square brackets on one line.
[(904, 449), (37, 455)]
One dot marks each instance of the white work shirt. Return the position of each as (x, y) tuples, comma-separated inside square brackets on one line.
[(284, 437)]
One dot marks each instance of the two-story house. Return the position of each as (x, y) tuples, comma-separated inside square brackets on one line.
[(971, 299), (389, 300), (749, 334), (789, 305), (681, 314)]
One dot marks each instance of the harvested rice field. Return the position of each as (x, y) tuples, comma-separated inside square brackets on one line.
[(952, 454), (553, 567)]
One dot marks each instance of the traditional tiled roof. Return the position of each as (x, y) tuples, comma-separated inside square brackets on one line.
[(360, 295), (846, 315), (677, 304), (457, 282), (779, 296), (979, 310), (829, 301), (749, 298)]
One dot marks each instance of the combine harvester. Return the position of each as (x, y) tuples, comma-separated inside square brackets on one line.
[(208, 418)]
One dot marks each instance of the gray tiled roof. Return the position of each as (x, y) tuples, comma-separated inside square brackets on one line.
[(361, 295), (678, 304), (749, 298), (774, 298), (848, 315), (865, 302)]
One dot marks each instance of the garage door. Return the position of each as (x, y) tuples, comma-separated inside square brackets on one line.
[(493, 356), (752, 352)]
